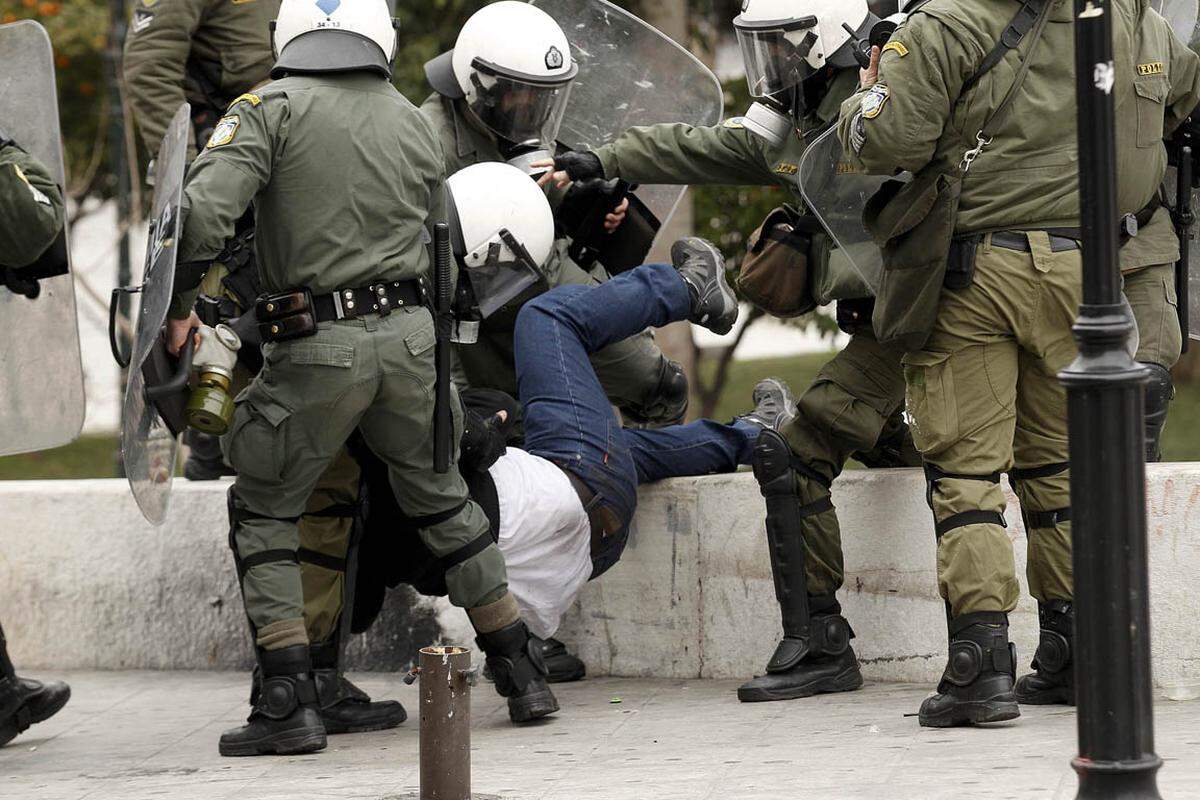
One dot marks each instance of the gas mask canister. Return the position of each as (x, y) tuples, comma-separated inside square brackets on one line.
[(210, 405)]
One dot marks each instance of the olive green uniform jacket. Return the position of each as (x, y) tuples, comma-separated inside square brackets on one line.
[(346, 178), (856, 398), (31, 207), (983, 393), (207, 52), (630, 371)]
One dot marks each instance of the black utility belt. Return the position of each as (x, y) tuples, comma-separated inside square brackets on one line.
[(296, 313)]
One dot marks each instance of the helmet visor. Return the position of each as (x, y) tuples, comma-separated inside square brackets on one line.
[(774, 54), (500, 277), (520, 108)]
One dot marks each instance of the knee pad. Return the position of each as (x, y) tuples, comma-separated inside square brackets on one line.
[(933, 475)]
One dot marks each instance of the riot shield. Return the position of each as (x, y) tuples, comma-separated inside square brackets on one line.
[(837, 195), (150, 442), (41, 375), (1182, 14), (630, 74)]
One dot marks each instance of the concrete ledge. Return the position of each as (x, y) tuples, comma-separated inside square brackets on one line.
[(88, 584)]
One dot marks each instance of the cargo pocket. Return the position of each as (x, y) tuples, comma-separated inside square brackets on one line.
[(930, 401), (420, 340), (256, 444), (322, 355), (1151, 109)]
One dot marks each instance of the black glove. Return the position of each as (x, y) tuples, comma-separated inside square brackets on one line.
[(580, 166), (484, 433), (5, 139)]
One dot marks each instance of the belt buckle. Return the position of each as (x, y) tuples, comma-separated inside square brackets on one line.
[(381, 303)]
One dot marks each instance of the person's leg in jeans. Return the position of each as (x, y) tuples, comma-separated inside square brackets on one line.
[(704, 447), (568, 417)]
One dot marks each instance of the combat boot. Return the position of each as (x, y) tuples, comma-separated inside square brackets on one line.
[(344, 707), (25, 702), (1054, 681), (702, 267), (285, 719), (821, 664), (561, 665), (514, 659), (977, 686)]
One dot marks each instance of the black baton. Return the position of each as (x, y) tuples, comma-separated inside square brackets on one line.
[(1184, 220), (443, 419)]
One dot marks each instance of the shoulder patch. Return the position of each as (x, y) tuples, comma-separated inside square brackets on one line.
[(252, 99), (224, 132), (895, 47), (874, 101), (37, 194), (1152, 68), (786, 168), (734, 122)]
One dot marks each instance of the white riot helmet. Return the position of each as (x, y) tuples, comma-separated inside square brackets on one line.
[(513, 66), (1182, 14), (333, 36), (501, 229), (785, 42)]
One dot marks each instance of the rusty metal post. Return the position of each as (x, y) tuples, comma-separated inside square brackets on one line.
[(446, 680)]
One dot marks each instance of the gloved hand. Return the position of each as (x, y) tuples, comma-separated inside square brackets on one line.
[(482, 441), (572, 165), (5, 139)]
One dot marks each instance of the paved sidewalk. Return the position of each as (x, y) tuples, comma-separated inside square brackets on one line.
[(153, 735)]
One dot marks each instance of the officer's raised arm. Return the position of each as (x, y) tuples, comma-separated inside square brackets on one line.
[(881, 129)]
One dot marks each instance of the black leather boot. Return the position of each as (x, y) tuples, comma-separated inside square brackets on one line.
[(514, 659), (561, 665), (814, 656), (285, 718), (822, 664), (344, 707), (23, 701), (1054, 681), (977, 686)]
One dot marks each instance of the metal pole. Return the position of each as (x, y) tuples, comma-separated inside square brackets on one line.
[(1108, 505), (120, 168), (446, 680)]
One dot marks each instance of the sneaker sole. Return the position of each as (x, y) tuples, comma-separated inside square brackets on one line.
[(277, 745), (848, 681), (980, 712), (726, 294)]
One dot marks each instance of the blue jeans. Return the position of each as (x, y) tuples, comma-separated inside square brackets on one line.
[(569, 419)]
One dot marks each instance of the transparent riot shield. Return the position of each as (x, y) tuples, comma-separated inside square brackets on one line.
[(1182, 14), (149, 445), (1192, 284), (41, 375), (630, 74), (837, 195)]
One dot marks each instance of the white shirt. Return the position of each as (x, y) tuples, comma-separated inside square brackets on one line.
[(545, 538)]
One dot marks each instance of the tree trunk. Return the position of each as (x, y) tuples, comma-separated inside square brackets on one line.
[(671, 17)]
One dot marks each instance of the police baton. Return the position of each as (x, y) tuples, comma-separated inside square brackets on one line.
[(443, 419), (1185, 218)]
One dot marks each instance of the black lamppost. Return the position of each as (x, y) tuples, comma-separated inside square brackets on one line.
[(1108, 495)]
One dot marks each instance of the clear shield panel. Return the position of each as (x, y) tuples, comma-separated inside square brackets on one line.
[(1182, 14), (148, 448), (41, 375), (630, 74), (1193, 284), (837, 195)]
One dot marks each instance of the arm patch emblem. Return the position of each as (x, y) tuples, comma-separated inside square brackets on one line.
[(896, 47), (252, 99), (874, 101), (1153, 68), (224, 132)]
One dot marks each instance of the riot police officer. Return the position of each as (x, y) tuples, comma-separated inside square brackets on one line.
[(500, 95), (346, 178), (209, 54), (31, 217), (991, 147), (853, 407)]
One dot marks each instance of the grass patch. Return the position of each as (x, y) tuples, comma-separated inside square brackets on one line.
[(86, 457)]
